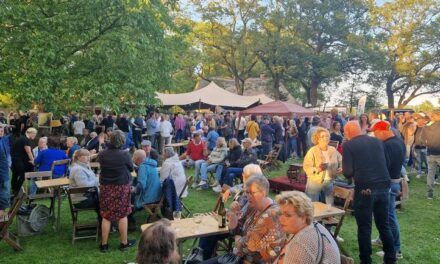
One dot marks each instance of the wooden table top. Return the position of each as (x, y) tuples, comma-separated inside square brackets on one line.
[(186, 228), (52, 183), (175, 145), (321, 211)]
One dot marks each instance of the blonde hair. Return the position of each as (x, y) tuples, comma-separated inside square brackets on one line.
[(315, 135), (31, 130), (79, 153), (73, 139), (251, 169), (222, 141), (300, 201)]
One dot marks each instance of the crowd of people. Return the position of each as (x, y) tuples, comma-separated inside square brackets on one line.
[(372, 151)]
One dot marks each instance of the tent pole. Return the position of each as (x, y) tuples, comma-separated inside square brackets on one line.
[(239, 121), (200, 102)]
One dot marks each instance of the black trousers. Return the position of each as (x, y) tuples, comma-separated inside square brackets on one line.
[(366, 204), (19, 168)]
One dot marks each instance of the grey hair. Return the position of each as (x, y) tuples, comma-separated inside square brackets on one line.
[(259, 180), (222, 141), (168, 152), (117, 139)]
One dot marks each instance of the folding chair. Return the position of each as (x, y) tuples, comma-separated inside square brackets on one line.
[(6, 221), (185, 210), (61, 162), (47, 194), (347, 196), (403, 195), (154, 211), (265, 164), (79, 228)]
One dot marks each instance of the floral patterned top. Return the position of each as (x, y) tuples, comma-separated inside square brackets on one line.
[(261, 238)]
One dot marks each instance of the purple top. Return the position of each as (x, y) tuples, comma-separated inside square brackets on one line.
[(179, 123)]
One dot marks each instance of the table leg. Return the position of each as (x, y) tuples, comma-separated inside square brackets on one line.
[(59, 208)]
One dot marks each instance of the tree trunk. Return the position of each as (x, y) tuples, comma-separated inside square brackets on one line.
[(276, 88), (314, 92), (238, 87), (390, 94)]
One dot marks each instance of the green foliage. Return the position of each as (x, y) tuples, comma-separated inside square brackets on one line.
[(67, 55), (426, 107), (407, 33)]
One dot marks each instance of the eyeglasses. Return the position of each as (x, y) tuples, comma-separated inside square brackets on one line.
[(324, 136), (251, 193)]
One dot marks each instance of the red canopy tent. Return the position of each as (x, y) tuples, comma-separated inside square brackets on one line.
[(278, 108)]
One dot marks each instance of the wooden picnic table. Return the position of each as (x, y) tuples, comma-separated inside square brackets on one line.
[(177, 146), (321, 211), (187, 228), (56, 184)]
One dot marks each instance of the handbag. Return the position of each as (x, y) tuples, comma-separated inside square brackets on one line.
[(230, 258), (195, 257)]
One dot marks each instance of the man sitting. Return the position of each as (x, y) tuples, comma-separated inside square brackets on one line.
[(235, 169), (194, 155), (150, 152), (147, 190)]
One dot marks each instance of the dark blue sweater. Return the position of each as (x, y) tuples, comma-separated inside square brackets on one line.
[(45, 159), (364, 160)]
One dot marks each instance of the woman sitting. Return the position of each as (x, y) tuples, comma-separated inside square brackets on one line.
[(322, 163), (147, 190), (233, 156), (158, 244), (258, 236), (72, 146), (308, 242), (239, 206), (214, 163), (172, 167), (82, 176)]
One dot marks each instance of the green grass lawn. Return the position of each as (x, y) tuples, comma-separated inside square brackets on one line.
[(419, 222)]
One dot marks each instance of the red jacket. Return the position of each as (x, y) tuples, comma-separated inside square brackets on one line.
[(195, 152)]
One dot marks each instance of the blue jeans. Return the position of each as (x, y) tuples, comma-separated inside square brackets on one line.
[(205, 168), (420, 155), (231, 173), (433, 162), (366, 203), (394, 224), (325, 194), (266, 147), (5, 195), (179, 135), (291, 146)]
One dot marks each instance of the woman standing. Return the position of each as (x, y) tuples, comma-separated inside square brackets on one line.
[(365, 123), (321, 164), (336, 135), (114, 199)]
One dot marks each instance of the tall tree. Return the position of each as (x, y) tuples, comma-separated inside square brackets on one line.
[(227, 36), (407, 34), (70, 54), (329, 40)]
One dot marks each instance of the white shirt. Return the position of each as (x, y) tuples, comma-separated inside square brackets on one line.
[(78, 127), (165, 128)]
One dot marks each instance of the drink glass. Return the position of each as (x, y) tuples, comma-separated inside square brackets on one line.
[(197, 218), (177, 215)]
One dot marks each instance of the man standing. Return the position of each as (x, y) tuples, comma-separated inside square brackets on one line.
[(419, 146), (395, 154), (267, 135), (4, 179), (431, 137), (364, 161)]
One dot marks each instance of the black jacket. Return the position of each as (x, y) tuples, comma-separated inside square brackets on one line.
[(395, 151), (234, 155), (116, 166), (249, 156), (364, 160)]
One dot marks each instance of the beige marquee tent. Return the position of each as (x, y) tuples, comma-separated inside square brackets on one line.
[(212, 95)]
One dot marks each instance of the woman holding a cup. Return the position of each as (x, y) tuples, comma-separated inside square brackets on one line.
[(322, 163)]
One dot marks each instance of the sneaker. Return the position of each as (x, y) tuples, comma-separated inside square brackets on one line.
[(418, 176), (339, 239), (215, 183), (202, 187), (376, 242), (103, 248), (130, 243), (194, 185), (382, 254), (201, 183), (217, 188), (436, 183), (430, 197)]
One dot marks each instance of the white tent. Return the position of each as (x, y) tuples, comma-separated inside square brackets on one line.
[(212, 95)]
